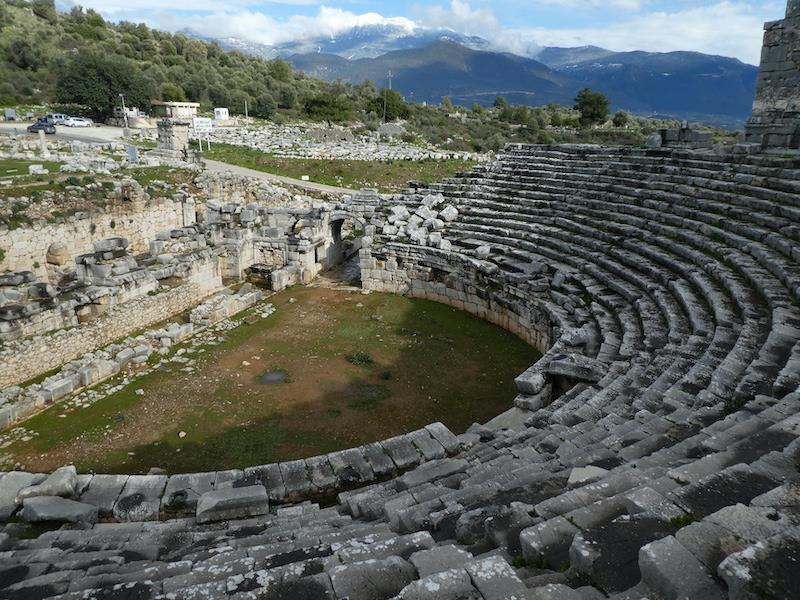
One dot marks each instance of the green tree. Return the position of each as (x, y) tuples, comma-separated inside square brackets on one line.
[(171, 92), (392, 103), (24, 54), (328, 107), (447, 104), (593, 107), (96, 81), (500, 103), (621, 118), (280, 70), (45, 9), (265, 106)]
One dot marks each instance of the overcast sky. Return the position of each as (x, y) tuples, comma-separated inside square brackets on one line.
[(728, 27)]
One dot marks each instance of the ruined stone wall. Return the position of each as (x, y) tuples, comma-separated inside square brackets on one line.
[(26, 246), (451, 279), (26, 359), (776, 110)]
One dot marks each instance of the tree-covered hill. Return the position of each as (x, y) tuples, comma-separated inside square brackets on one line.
[(41, 47)]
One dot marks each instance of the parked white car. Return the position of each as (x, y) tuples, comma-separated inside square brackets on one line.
[(78, 122), (56, 118)]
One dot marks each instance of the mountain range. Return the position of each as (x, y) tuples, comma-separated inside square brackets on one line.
[(427, 65)]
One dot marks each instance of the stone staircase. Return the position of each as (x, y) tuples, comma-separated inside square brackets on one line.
[(668, 468)]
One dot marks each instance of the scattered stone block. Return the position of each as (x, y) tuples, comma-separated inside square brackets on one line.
[(10, 486), (54, 508), (454, 584), (62, 482), (232, 503)]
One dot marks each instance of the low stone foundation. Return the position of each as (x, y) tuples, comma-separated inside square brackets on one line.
[(30, 358)]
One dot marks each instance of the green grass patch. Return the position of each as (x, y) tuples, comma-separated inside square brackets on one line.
[(145, 176), (10, 167), (430, 362), (683, 521), (386, 176)]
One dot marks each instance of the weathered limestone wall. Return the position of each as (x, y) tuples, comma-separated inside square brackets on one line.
[(776, 110), (451, 279), (24, 360), (26, 246)]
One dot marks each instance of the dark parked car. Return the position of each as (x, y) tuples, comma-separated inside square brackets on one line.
[(42, 125)]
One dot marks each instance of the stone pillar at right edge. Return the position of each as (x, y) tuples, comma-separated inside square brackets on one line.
[(775, 122)]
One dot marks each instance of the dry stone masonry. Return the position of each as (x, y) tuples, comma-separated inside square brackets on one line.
[(332, 143), (652, 452), (775, 123)]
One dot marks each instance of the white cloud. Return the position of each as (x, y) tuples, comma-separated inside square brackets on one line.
[(727, 28), (623, 4), (258, 27), (459, 16)]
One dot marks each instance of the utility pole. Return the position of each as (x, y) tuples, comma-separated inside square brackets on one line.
[(245, 109)]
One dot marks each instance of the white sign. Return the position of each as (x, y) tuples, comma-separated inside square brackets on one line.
[(202, 125), (221, 114)]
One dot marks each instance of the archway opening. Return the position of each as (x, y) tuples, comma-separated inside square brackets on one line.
[(342, 263)]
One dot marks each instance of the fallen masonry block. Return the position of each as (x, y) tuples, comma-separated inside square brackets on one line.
[(232, 503), (10, 486), (55, 509), (62, 482)]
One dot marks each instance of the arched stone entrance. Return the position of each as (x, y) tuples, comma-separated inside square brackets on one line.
[(345, 232)]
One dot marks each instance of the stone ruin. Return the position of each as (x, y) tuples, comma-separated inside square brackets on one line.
[(775, 123), (652, 452)]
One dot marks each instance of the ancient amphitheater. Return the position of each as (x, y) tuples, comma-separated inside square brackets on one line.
[(653, 452)]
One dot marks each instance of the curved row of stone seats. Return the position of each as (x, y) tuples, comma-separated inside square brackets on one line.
[(668, 471), (743, 307), (131, 498), (717, 304)]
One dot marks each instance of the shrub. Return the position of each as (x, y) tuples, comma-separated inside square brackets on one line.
[(361, 359)]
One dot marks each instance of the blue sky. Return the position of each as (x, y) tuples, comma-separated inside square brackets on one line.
[(726, 27)]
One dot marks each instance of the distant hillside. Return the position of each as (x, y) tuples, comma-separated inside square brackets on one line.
[(365, 41), (689, 85), (558, 58), (446, 68)]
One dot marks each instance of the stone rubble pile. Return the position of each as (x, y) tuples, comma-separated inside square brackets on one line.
[(422, 225), (309, 141), (225, 305)]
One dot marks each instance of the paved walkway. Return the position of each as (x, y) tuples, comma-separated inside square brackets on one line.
[(221, 167)]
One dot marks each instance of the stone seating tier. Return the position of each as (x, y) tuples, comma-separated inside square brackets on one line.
[(651, 452)]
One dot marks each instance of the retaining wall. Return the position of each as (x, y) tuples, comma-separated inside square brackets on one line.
[(455, 280), (24, 360)]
